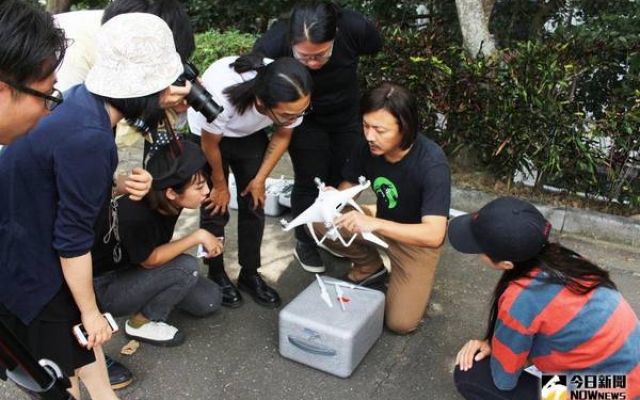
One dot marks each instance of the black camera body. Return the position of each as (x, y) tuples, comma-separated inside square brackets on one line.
[(198, 98)]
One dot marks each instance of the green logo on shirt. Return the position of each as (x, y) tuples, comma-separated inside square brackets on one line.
[(384, 188)]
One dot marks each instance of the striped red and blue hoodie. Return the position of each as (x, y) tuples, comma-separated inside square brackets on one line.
[(560, 331)]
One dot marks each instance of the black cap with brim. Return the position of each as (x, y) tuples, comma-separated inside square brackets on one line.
[(169, 170), (505, 229), (461, 237)]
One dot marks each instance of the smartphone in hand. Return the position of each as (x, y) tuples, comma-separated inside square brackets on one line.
[(83, 337), (201, 252)]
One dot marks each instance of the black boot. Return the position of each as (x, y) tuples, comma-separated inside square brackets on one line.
[(231, 296), (257, 288)]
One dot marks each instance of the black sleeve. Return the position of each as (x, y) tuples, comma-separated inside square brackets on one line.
[(138, 235), (436, 191), (274, 43), (362, 32)]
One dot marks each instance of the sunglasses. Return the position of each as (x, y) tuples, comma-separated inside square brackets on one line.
[(51, 101)]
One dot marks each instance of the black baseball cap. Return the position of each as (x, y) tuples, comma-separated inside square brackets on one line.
[(169, 170), (506, 229)]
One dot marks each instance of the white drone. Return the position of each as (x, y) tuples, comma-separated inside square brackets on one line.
[(327, 208)]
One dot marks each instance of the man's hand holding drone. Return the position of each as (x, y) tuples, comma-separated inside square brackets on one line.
[(327, 209), (356, 222)]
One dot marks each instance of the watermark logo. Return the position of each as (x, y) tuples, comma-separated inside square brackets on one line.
[(554, 387), (583, 387)]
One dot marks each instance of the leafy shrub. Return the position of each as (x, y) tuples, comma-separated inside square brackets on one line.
[(213, 45), (251, 16), (254, 16)]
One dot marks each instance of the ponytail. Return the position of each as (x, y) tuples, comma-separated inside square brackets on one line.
[(248, 62), (242, 95), (284, 80)]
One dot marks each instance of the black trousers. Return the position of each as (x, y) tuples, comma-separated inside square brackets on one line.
[(244, 156), (477, 384), (318, 151)]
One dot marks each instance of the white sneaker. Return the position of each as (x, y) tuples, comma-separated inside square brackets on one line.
[(157, 333)]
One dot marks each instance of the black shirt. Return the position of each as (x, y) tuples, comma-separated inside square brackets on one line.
[(141, 231), (335, 94), (416, 186)]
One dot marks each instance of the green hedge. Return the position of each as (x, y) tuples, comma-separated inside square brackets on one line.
[(213, 45), (244, 15)]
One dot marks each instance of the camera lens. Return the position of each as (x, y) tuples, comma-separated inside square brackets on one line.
[(200, 100)]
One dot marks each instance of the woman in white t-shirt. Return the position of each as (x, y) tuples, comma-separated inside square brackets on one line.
[(255, 93)]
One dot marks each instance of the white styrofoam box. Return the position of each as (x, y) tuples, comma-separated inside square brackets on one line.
[(331, 339), (273, 190)]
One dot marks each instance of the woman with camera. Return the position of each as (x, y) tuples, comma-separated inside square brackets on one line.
[(80, 28), (55, 182), (255, 94), (328, 40)]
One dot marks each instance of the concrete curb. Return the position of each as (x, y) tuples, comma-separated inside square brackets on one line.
[(586, 223)]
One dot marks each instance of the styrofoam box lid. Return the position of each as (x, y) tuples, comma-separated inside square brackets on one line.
[(359, 305)]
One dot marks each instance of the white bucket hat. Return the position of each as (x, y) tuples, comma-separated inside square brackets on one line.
[(135, 57)]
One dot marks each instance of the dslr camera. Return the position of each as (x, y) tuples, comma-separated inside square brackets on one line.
[(198, 98)]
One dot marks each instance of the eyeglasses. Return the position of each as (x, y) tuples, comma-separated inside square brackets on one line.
[(322, 57), (51, 101), (289, 118)]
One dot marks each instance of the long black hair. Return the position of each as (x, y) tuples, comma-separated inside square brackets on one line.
[(145, 108), (399, 102), (316, 22), (560, 266), (282, 81)]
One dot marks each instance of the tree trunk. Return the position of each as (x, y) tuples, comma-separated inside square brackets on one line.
[(58, 6), (474, 24)]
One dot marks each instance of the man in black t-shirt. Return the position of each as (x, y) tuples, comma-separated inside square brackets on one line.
[(410, 176)]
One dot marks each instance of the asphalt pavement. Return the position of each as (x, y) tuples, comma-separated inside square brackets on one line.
[(233, 354)]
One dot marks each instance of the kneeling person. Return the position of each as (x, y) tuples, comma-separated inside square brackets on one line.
[(410, 177), (154, 276), (551, 308)]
